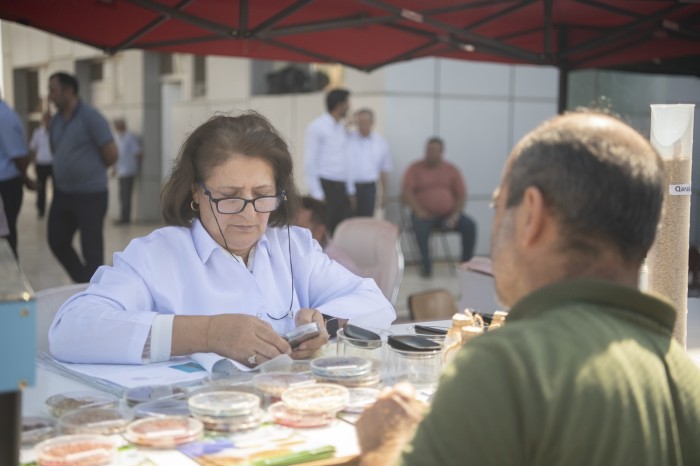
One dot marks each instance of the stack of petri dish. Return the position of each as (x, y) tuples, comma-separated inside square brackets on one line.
[(227, 410), (58, 405), (310, 405), (105, 421), (162, 408), (271, 385), (348, 371), (164, 432), (73, 450)]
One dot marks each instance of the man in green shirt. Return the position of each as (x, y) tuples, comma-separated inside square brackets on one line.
[(586, 370)]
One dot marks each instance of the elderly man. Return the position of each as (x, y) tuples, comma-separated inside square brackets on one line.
[(586, 370)]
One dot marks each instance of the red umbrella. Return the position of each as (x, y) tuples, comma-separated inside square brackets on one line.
[(571, 34)]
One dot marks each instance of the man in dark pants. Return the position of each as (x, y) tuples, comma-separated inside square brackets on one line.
[(326, 165), (83, 148), (435, 192), (14, 159)]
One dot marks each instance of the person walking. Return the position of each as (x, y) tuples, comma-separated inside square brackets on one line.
[(127, 167), (14, 159), (83, 148), (42, 157)]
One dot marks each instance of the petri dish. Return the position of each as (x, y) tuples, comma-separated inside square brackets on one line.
[(361, 398), (37, 428), (223, 403), (160, 408), (371, 379), (320, 398), (286, 366), (76, 450), (233, 423), (284, 416), (105, 421), (225, 379), (58, 405), (340, 366), (145, 393), (164, 432), (274, 383)]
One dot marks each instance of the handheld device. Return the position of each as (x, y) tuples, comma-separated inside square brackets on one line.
[(300, 334)]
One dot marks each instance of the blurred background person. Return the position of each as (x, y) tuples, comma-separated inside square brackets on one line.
[(42, 157), (327, 167), (14, 160), (371, 163), (436, 194), (83, 147), (127, 167)]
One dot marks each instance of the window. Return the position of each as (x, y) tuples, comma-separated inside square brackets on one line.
[(166, 64), (199, 85), (96, 71)]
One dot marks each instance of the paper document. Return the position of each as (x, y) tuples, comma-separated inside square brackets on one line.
[(115, 378)]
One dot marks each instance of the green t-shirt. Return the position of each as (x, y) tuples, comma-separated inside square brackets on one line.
[(583, 373)]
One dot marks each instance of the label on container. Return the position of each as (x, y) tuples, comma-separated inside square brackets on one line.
[(679, 189)]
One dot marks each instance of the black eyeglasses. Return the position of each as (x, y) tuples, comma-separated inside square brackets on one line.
[(234, 205)]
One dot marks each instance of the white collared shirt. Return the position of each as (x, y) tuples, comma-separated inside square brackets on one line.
[(326, 155), (183, 271), (370, 156)]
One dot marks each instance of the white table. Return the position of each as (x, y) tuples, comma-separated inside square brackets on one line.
[(340, 434)]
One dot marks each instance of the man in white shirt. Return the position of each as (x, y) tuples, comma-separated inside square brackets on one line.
[(40, 153), (327, 165), (371, 163), (127, 168)]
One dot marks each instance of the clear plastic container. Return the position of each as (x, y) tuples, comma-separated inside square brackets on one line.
[(367, 349), (58, 405), (145, 393), (274, 383), (284, 416), (341, 366), (105, 421), (242, 423), (421, 368), (321, 398), (223, 403), (76, 450), (164, 432), (37, 428), (161, 408)]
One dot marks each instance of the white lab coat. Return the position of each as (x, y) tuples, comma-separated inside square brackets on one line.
[(183, 271)]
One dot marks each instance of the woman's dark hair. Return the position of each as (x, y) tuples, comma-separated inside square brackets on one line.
[(215, 142)]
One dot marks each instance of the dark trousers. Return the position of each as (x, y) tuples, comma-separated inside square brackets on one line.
[(11, 192), (43, 172), (366, 194), (126, 187), (84, 212), (337, 203), (423, 227)]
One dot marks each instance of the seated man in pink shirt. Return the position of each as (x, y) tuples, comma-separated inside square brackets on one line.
[(312, 215), (436, 193)]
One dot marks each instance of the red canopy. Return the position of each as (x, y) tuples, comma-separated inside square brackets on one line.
[(366, 34)]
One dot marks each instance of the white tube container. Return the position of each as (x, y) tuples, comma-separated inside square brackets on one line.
[(672, 137)]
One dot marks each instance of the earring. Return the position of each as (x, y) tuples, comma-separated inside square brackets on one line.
[(194, 206)]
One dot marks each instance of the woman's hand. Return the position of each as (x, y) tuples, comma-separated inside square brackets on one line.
[(240, 337), (307, 348)]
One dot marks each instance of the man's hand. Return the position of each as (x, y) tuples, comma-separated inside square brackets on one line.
[(30, 183), (451, 221), (308, 348), (386, 427)]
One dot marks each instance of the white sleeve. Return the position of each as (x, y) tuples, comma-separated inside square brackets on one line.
[(311, 149), (161, 339)]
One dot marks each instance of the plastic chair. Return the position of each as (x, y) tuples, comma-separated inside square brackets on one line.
[(438, 234), (375, 247), (438, 304), (47, 303)]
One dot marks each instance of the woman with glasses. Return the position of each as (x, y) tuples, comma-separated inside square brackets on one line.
[(228, 276)]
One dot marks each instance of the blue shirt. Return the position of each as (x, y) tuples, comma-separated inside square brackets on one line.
[(13, 144), (183, 271), (78, 166)]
